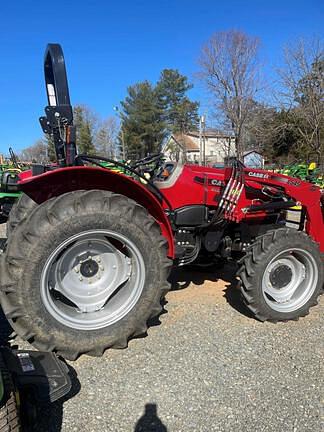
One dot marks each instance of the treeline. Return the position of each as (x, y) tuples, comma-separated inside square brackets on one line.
[(146, 116), (150, 112), (284, 117)]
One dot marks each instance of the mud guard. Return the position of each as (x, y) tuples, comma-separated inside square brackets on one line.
[(59, 181)]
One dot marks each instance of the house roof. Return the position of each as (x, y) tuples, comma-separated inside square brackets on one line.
[(211, 133), (185, 142), (252, 151)]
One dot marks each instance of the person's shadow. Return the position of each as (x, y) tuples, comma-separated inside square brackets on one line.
[(150, 421)]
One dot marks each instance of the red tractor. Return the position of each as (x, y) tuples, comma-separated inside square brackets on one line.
[(90, 249)]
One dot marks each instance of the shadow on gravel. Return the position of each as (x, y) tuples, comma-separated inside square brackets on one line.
[(182, 277), (150, 421), (49, 415)]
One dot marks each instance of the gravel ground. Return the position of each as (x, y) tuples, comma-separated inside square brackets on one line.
[(206, 367)]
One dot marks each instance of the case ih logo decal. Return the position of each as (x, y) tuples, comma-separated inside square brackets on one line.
[(210, 182), (215, 182), (258, 175)]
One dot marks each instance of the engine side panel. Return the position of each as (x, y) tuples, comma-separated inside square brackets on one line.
[(196, 185), (204, 186)]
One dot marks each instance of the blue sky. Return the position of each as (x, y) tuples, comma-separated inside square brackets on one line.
[(109, 45)]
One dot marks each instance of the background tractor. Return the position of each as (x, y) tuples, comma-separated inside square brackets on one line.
[(311, 171), (9, 189), (90, 249)]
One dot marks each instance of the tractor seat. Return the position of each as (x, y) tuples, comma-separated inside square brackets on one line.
[(174, 171)]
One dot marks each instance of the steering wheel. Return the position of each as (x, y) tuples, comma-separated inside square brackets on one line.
[(141, 164), (148, 160)]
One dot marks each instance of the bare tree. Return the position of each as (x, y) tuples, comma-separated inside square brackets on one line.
[(35, 153), (106, 137), (302, 79), (227, 147), (229, 68), (95, 134)]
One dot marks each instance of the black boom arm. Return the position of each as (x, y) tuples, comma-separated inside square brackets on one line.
[(58, 119)]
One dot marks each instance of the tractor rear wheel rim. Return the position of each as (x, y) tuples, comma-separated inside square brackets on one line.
[(289, 280), (92, 279)]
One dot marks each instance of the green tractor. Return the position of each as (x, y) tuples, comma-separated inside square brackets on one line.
[(308, 171), (9, 189)]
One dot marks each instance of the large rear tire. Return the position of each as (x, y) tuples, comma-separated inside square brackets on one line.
[(83, 272), (20, 211), (281, 276)]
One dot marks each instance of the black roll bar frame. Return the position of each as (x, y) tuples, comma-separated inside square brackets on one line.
[(58, 119)]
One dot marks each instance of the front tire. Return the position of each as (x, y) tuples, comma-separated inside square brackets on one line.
[(281, 276), (84, 272)]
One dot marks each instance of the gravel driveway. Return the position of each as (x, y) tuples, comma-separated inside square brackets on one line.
[(206, 367)]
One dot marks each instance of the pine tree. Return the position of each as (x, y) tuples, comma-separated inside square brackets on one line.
[(142, 123), (84, 123), (180, 113), (85, 141)]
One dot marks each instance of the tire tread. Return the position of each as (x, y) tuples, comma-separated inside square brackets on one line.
[(50, 214), (249, 269)]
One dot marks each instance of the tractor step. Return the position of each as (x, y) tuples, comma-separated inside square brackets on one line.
[(42, 372)]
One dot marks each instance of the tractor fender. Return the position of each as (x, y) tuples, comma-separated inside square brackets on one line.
[(59, 181)]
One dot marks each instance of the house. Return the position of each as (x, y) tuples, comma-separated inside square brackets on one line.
[(181, 147), (186, 147), (253, 159)]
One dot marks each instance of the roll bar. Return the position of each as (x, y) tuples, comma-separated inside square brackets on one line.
[(58, 119), (55, 76)]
